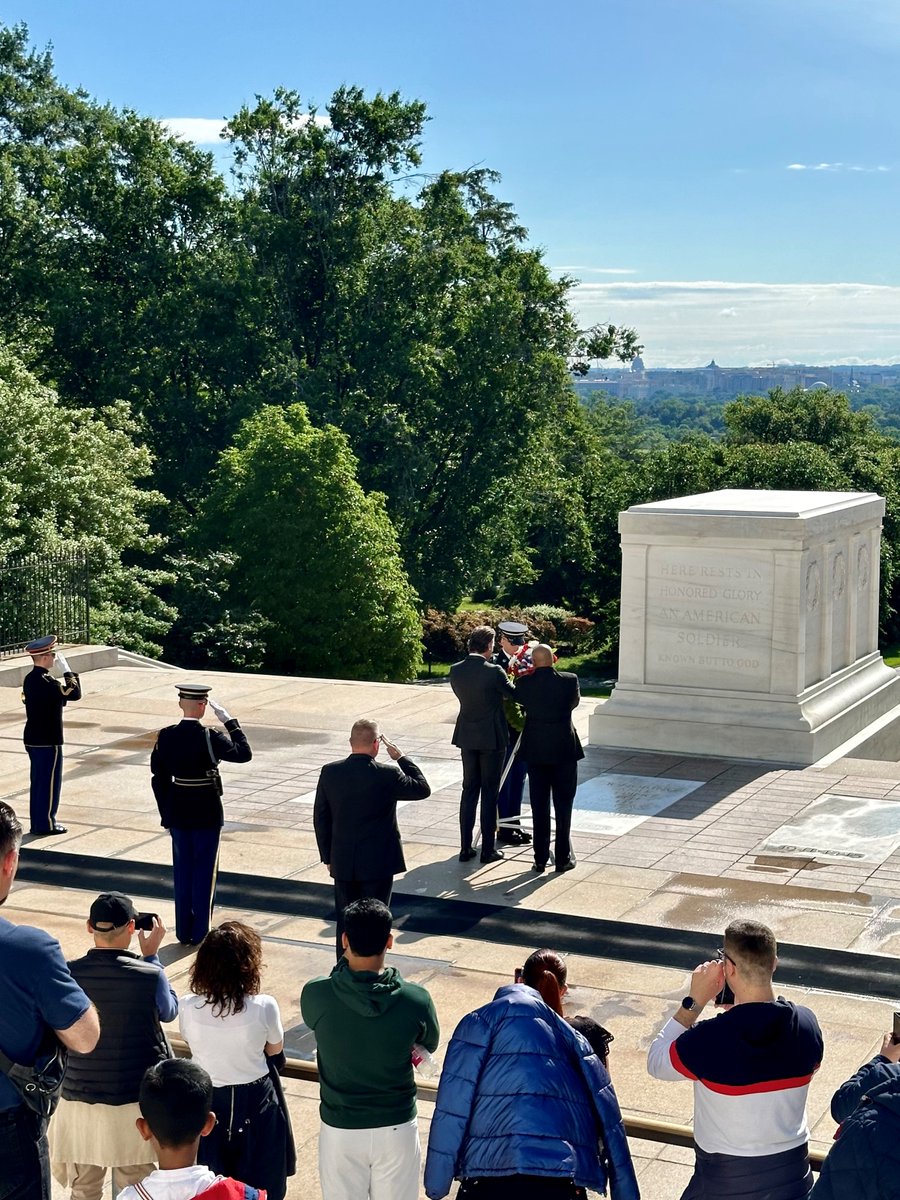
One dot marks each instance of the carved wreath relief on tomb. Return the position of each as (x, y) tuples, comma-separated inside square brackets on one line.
[(709, 618)]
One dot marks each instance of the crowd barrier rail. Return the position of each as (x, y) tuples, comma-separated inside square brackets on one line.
[(667, 1133)]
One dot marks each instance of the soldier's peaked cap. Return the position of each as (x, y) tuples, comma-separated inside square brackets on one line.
[(42, 645), (193, 691), (513, 629)]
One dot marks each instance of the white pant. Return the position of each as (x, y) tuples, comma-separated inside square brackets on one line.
[(381, 1164)]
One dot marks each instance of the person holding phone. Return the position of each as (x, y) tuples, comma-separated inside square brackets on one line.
[(863, 1161), (93, 1129), (751, 1068), (355, 819)]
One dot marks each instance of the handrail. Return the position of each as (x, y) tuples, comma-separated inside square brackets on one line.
[(666, 1132)]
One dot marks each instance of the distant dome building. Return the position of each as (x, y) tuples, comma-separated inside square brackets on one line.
[(637, 363)]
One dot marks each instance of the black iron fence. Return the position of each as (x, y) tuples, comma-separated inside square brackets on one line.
[(44, 593)]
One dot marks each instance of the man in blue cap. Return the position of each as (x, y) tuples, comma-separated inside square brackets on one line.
[(188, 788), (45, 697)]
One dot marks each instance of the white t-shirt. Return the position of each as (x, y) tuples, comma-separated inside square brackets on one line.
[(231, 1047), (181, 1184)]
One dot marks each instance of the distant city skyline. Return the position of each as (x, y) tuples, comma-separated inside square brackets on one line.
[(723, 175)]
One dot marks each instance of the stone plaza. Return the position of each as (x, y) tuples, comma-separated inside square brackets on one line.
[(761, 782), (669, 848)]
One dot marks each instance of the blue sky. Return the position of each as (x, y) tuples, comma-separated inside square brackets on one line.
[(722, 174)]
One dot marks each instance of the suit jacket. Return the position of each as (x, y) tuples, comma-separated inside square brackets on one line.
[(480, 687), (548, 697), (355, 815)]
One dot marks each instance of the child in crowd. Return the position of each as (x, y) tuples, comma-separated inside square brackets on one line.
[(175, 1102)]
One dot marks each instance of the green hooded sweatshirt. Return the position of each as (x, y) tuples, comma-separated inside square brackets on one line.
[(366, 1025)]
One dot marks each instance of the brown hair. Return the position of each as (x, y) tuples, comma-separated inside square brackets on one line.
[(753, 948), (546, 972), (480, 639), (228, 967)]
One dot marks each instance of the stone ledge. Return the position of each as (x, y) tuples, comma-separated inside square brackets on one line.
[(80, 658)]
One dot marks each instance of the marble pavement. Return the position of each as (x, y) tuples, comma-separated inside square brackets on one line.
[(661, 840)]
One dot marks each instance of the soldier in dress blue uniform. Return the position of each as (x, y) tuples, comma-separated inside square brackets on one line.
[(509, 802), (188, 788), (45, 697)]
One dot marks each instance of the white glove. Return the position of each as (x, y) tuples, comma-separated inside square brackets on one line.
[(62, 663), (220, 712)]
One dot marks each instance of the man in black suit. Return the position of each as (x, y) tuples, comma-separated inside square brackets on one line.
[(551, 748), (355, 818), (480, 686)]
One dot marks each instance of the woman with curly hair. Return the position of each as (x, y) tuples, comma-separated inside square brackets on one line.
[(231, 1027)]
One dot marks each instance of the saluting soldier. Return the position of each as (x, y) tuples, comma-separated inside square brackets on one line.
[(45, 696), (188, 790)]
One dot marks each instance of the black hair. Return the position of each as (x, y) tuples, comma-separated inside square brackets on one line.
[(595, 1035), (367, 924), (175, 1099), (10, 830)]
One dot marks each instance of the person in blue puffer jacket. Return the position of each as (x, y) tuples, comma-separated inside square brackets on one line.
[(525, 1109), (864, 1162)]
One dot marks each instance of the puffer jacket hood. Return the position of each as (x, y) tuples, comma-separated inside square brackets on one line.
[(369, 993)]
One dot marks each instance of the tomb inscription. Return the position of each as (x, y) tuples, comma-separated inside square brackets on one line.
[(709, 618)]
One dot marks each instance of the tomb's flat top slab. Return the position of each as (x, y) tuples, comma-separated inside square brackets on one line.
[(757, 503)]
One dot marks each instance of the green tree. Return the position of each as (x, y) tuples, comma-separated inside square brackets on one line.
[(315, 554), (70, 481), (419, 324)]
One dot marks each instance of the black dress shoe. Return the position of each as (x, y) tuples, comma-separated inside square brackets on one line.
[(568, 865), (48, 832), (494, 856), (467, 855), (514, 837), (540, 868)]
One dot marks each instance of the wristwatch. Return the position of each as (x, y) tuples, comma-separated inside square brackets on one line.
[(689, 1004)]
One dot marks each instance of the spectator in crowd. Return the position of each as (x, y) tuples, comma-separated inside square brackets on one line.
[(546, 972), (45, 697), (175, 1115), (355, 819), (367, 1019), (481, 735), (525, 1108), (864, 1162), (595, 1035), (94, 1127), (184, 769), (552, 750), (39, 996), (231, 1027), (751, 1068), (514, 656)]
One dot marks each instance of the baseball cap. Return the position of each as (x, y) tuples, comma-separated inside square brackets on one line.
[(112, 910)]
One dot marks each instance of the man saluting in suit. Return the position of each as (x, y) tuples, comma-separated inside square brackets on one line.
[(481, 734), (551, 748), (355, 818)]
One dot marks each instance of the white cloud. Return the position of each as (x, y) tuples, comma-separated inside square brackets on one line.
[(207, 131), (681, 322), (836, 166)]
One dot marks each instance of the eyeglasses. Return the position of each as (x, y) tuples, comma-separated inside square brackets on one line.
[(723, 953)]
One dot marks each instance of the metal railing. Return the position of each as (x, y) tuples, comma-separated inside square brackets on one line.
[(41, 594), (666, 1132)]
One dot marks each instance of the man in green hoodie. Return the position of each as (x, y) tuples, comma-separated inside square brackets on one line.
[(367, 1019)]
